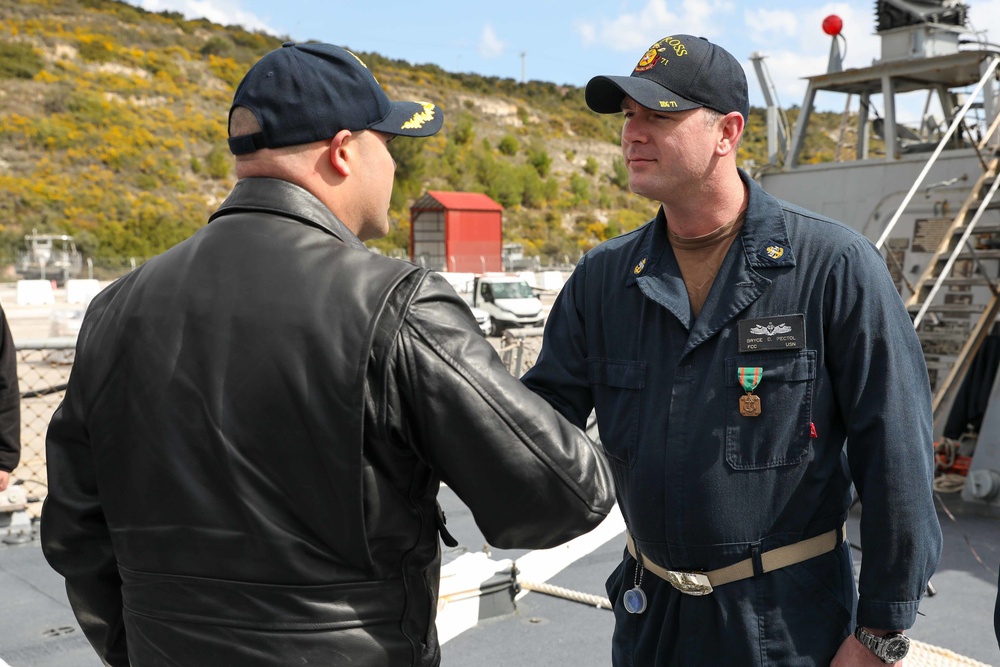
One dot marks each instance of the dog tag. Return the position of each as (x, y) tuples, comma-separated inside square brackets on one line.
[(635, 600)]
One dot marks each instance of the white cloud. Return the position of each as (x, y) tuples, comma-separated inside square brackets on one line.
[(490, 46), (787, 69), (225, 12), (797, 47), (771, 22), (587, 32), (985, 16), (634, 31)]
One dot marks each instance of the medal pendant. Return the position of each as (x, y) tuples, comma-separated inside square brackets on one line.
[(749, 405), (635, 600)]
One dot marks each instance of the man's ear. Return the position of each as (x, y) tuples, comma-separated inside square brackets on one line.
[(340, 153), (732, 129)]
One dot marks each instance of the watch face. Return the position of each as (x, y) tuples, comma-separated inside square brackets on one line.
[(895, 648)]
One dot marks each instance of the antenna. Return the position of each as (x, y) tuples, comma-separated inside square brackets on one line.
[(523, 55), (832, 25)]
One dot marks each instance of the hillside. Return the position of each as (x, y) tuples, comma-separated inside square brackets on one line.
[(112, 128)]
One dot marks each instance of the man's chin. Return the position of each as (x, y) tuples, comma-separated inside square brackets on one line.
[(642, 192), (374, 233)]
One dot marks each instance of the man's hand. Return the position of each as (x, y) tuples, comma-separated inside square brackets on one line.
[(4, 479), (853, 653)]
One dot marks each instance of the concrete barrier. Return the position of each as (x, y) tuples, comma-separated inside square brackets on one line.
[(35, 293), (82, 291), (552, 280), (528, 277)]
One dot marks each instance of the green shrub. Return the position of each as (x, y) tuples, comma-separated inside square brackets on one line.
[(509, 145), (580, 188), (620, 175), (217, 46), (625, 220), (147, 181), (540, 160), (19, 60), (218, 162), (96, 50), (258, 42), (464, 132)]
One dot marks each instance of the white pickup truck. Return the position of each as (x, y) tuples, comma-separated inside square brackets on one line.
[(509, 300)]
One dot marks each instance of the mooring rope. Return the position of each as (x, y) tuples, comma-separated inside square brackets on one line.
[(921, 655), (559, 592)]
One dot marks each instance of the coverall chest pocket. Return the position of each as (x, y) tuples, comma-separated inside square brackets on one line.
[(617, 388), (780, 434)]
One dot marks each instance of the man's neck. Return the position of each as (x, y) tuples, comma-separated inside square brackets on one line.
[(712, 209)]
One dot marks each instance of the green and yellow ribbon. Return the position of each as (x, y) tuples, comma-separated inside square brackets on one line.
[(749, 377)]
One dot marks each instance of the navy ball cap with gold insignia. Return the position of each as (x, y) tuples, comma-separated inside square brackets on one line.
[(303, 93), (675, 74)]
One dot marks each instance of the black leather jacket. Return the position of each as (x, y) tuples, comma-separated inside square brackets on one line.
[(245, 467)]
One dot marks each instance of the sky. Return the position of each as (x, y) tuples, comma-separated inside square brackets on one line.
[(570, 42)]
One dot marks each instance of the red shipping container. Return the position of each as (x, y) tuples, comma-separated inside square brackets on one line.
[(457, 232)]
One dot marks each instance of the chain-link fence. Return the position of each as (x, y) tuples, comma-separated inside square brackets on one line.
[(43, 369), (42, 372)]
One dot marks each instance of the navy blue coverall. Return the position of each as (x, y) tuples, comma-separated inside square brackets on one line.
[(701, 486)]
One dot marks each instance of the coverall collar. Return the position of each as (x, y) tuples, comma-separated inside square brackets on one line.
[(761, 246)]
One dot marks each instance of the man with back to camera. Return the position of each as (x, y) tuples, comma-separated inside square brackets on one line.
[(729, 347), (245, 467)]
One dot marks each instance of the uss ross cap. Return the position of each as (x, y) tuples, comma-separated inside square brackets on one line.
[(675, 74)]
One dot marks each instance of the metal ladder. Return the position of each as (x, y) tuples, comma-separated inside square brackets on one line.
[(956, 245)]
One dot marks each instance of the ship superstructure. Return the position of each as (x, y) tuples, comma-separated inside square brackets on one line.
[(916, 171)]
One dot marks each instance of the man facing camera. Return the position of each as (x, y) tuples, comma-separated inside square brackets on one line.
[(730, 347)]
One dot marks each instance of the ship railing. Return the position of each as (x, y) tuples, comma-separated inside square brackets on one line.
[(953, 257), (959, 118), (519, 348)]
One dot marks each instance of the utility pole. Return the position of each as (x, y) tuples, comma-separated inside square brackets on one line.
[(523, 78)]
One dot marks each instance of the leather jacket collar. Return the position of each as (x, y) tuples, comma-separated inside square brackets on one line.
[(272, 195)]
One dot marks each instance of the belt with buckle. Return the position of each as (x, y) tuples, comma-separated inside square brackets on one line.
[(702, 583)]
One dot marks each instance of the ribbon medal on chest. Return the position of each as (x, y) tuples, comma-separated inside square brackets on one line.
[(749, 378)]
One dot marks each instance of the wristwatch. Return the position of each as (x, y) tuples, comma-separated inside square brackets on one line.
[(889, 649)]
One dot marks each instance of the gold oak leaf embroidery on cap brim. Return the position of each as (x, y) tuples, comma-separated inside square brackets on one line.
[(421, 117)]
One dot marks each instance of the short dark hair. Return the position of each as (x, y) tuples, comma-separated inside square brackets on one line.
[(242, 122)]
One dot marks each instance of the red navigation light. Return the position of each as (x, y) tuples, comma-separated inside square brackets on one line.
[(832, 25)]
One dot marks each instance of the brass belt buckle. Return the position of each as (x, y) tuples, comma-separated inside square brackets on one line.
[(689, 583)]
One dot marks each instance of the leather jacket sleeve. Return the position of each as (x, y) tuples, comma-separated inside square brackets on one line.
[(75, 537), (531, 479), (10, 401)]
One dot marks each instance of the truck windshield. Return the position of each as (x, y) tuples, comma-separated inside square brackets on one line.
[(512, 291)]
